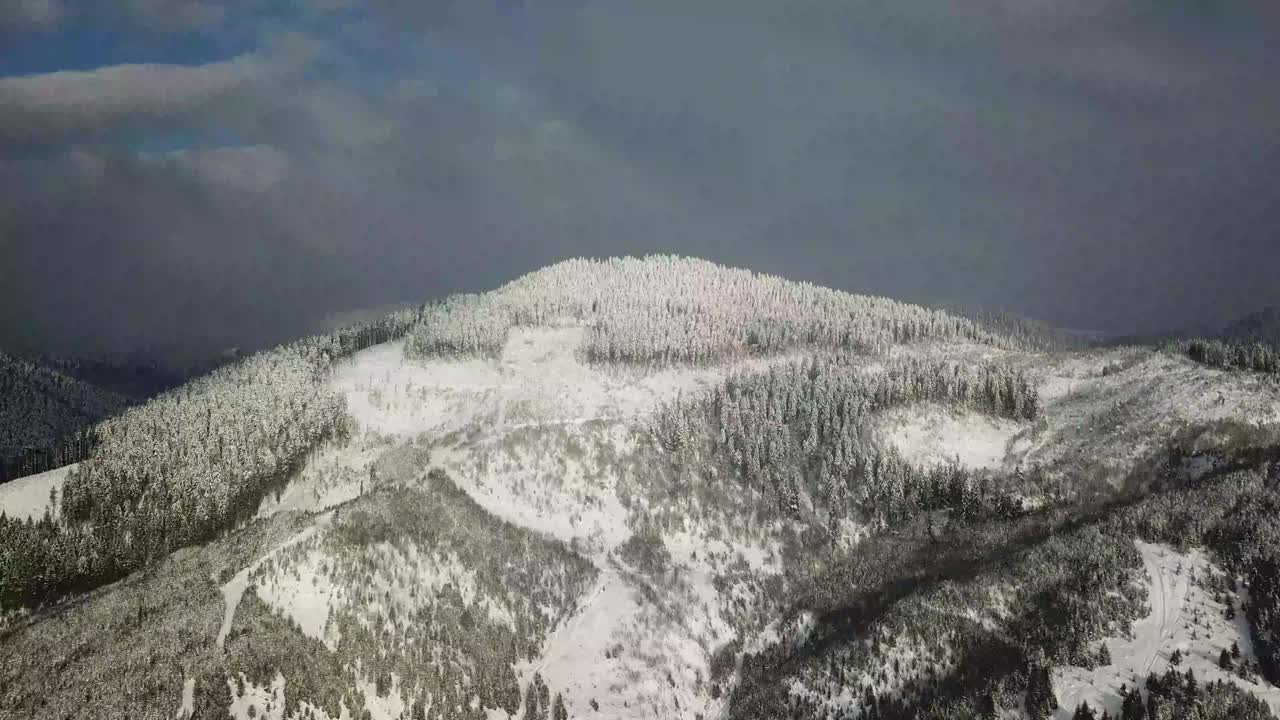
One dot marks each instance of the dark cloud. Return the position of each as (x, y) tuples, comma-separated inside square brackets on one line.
[(1098, 164), (173, 15), (138, 100), (29, 15)]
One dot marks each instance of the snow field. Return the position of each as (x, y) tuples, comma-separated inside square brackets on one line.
[(933, 435), (28, 497)]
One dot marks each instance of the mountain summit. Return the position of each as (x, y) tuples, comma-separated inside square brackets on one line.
[(662, 488)]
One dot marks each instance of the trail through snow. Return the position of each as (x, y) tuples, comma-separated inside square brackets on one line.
[(1182, 616), (234, 588)]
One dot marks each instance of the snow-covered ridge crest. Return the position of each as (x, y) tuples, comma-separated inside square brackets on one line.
[(665, 309)]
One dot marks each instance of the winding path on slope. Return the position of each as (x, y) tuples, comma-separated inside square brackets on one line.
[(1167, 597), (234, 588)]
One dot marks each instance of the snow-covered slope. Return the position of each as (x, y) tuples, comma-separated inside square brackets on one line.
[(541, 439), (487, 528), (28, 497), (1184, 617)]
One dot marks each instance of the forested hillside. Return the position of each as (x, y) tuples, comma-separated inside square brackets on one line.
[(183, 467), (660, 310), (46, 416), (798, 434), (660, 488)]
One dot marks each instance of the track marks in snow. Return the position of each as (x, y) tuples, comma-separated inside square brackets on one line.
[(234, 588), (1182, 616)]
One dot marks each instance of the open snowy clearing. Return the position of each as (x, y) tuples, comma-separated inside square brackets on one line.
[(635, 658), (334, 474), (28, 497), (539, 380), (931, 435), (1183, 616)]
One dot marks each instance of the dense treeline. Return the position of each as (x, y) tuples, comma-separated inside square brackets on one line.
[(1179, 696), (184, 466), (1251, 356), (664, 309), (799, 434), (46, 416), (462, 325), (1026, 334)]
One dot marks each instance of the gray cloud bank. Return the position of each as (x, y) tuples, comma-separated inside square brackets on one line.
[(1096, 164)]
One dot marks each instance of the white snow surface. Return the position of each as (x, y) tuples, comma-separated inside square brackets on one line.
[(538, 381), (306, 594), (334, 474), (1179, 609), (655, 661), (27, 497), (932, 435), (188, 699)]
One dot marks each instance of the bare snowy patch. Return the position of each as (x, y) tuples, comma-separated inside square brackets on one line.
[(932, 435), (28, 497), (539, 379), (234, 588)]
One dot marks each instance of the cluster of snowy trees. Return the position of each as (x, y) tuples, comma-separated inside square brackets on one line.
[(666, 309), (460, 326), (46, 417), (800, 431), (184, 466), (1179, 696), (1233, 355)]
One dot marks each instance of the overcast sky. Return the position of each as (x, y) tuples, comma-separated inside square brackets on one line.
[(193, 174)]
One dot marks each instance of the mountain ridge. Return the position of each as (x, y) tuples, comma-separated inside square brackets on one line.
[(746, 518)]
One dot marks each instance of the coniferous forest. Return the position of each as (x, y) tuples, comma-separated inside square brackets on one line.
[(183, 467), (879, 586)]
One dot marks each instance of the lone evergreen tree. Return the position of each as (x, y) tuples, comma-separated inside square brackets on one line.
[(1131, 707), (1041, 700), (1225, 661)]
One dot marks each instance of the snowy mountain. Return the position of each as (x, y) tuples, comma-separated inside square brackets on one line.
[(661, 488)]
